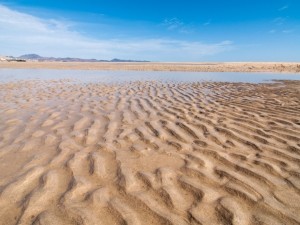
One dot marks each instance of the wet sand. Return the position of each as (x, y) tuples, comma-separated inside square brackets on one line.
[(149, 153), (153, 66)]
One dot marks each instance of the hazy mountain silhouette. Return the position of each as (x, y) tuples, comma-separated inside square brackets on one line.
[(69, 59)]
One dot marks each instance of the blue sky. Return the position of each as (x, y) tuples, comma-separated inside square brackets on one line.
[(191, 30)]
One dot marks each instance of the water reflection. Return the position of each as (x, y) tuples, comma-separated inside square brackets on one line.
[(7, 75)]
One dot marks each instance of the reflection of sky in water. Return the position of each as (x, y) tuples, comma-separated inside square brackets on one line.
[(7, 75)]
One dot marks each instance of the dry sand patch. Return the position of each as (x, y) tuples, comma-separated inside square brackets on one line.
[(282, 67)]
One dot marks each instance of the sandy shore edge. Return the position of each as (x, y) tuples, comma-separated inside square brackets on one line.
[(282, 67)]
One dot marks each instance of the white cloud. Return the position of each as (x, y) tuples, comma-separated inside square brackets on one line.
[(23, 33)]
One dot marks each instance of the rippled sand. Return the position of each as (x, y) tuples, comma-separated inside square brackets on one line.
[(149, 153)]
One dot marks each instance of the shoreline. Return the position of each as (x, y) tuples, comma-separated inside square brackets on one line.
[(154, 66)]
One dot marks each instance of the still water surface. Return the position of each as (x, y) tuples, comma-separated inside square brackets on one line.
[(8, 75)]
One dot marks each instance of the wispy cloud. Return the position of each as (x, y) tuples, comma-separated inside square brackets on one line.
[(176, 25), (282, 26), (283, 8), (279, 21), (23, 33), (173, 23), (207, 23), (288, 31)]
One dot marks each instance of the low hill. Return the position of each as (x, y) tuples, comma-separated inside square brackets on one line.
[(69, 59)]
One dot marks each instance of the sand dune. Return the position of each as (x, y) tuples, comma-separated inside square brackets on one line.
[(149, 153)]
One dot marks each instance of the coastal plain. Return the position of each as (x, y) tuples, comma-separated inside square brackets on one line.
[(149, 152)]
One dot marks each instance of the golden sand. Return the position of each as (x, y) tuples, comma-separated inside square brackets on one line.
[(193, 67), (149, 153)]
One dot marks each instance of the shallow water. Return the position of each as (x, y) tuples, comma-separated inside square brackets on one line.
[(8, 75), (147, 152)]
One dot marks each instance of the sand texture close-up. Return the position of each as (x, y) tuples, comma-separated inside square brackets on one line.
[(149, 153), (281, 67)]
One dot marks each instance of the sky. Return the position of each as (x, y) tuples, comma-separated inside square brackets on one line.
[(190, 30)]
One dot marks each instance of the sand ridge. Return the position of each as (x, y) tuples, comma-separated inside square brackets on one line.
[(149, 153), (281, 67)]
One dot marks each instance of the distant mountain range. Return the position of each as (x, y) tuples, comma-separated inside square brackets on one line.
[(68, 59)]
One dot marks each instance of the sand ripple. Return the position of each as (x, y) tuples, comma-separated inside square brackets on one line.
[(149, 153)]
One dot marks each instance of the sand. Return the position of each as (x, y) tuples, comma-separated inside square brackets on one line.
[(149, 153), (281, 67)]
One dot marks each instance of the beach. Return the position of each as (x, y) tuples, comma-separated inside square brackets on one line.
[(149, 152), (282, 67)]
